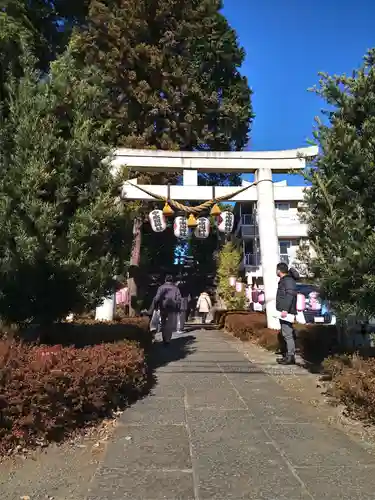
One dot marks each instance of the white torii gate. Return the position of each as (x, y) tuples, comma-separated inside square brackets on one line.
[(262, 163)]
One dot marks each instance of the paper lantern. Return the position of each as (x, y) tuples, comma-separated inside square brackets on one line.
[(261, 298), (238, 286), (158, 221), (180, 228), (255, 296), (232, 281), (202, 230), (225, 222), (301, 302)]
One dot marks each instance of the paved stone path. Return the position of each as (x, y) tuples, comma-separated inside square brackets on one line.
[(217, 427)]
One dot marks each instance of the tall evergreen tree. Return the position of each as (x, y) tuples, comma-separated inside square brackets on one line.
[(40, 27), (62, 236), (341, 202), (172, 68), (48, 24)]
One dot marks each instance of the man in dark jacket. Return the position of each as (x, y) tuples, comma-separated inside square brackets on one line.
[(286, 304), (168, 300)]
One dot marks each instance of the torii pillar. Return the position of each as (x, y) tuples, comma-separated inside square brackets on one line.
[(269, 241)]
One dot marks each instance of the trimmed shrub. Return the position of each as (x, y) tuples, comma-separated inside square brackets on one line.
[(314, 342), (252, 326), (353, 384), (88, 332), (47, 392), (91, 332)]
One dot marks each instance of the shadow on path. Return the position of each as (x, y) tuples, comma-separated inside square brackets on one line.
[(178, 349)]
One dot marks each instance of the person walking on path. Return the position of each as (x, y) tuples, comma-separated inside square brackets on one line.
[(185, 300), (204, 306), (168, 301), (286, 305)]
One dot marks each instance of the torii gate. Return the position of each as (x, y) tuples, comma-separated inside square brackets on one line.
[(262, 163)]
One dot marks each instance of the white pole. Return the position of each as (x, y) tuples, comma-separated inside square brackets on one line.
[(269, 243)]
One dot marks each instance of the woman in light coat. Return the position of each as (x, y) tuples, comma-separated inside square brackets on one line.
[(204, 306)]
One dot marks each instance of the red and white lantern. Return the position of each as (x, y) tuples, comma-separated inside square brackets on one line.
[(158, 221), (180, 228), (239, 286), (202, 231), (301, 302), (225, 222), (232, 281)]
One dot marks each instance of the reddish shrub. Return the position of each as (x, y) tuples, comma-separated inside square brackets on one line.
[(46, 392), (269, 339), (222, 314), (353, 383), (315, 342), (85, 332), (251, 326)]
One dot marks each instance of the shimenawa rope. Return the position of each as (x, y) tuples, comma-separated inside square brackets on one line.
[(199, 208)]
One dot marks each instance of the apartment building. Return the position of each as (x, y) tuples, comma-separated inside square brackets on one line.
[(291, 231)]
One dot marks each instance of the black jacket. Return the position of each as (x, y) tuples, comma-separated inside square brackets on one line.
[(286, 297), (168, 297)]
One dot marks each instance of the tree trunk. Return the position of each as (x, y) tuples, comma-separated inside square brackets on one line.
[(134, 266)]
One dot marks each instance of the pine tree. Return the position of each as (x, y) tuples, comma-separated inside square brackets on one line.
[(62, 236), (341, 202)]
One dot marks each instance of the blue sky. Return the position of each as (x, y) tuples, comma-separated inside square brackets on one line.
[(287, 43)]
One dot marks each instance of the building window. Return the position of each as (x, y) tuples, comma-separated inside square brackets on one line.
[(247, 219), (284, 246), (249, 246), (282, 206)]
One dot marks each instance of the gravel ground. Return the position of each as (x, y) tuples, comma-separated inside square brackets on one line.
[(59, 472)]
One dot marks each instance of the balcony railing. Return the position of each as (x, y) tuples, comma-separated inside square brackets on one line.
[(248, 219), (282, 218), (252, 259)]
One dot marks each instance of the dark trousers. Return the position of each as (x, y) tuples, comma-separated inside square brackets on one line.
[(282, 343), (287, 333), (203, 316), (168, 324)]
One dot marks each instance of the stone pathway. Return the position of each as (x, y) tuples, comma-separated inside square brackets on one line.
[(217, 427)]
